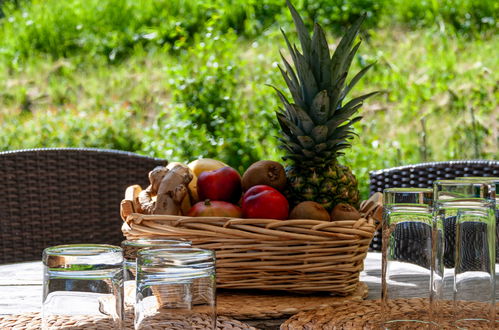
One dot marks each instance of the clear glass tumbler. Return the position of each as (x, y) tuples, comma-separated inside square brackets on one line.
[(130, 250), (176, 289), (406, 257), (474, 273), (495, 182), (83, 282), (465, 218)]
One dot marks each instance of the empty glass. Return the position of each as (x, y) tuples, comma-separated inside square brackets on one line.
[(130, 250), (493, 181), (474, 274), (465, 217), (85, 282), (175, 289), (406, 252)]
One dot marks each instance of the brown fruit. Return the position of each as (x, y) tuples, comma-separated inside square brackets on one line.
[(265, 172), (344, 211), (309, 210)]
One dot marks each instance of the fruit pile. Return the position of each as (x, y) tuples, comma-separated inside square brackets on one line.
[(221, 190), (210, 188)]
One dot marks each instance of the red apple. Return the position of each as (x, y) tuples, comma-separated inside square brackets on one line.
[(264, 202), (215, 209), (223, 184)]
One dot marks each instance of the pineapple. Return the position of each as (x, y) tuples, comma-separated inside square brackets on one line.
[(317, 126)]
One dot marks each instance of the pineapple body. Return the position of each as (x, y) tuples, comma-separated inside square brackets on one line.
[(327, 186)]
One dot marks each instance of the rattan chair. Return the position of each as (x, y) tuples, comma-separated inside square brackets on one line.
[(422, 176), (62, 196)]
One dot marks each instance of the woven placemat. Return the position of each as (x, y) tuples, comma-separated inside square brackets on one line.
[(246, 305), (32, 321), (366, 315)]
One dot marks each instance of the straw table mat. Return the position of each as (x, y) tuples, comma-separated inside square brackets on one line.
[(244, 305), (366, 315), (32, 321)]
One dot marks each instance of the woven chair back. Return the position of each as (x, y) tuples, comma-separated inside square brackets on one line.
[(423, 175), (64, 196)]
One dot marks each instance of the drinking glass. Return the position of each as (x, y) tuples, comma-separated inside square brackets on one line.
[(130, 249), (465, 219), (474, 273), (406, 256), (175, 289), (495, 182), (85, 282)]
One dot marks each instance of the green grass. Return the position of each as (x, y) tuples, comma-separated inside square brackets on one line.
[(186, 89)]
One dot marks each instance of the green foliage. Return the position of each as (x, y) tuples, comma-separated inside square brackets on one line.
[(115, 29), (209, 116), (189, 78), (468, 16), (338, 14), (110, 129)]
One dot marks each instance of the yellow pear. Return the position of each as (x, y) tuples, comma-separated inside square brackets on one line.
[(199, 166)]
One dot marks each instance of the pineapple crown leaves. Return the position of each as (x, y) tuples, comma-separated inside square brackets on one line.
[(317, 123)]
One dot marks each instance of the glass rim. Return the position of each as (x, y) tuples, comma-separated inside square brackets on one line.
[(486, 179), (78, 250), (167, 252), (408, 196), (407, 190), (147, 242), (463, 189), (460, 182)]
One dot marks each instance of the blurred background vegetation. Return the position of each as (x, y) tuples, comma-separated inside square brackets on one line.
[(187, 79)]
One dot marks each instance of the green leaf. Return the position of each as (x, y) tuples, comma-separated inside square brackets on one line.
[(335, 94), (306, 77), (303, 118), (308, 153), (359, 99), (318, 148), (290, 71), (340, 54), (320, 58), (290, 47), (290, 112), (351, 55), (287, 126), (306, 141), (341, 116), (303, 34), (355, 80), (320, 107), (319, 133), (292, 82), (344, 131)]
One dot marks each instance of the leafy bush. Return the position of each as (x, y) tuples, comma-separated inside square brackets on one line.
[(114, 29), (209, 116), (468, 16), (111, 129)]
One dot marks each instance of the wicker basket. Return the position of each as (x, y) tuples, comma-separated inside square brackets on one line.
[(292, 255)]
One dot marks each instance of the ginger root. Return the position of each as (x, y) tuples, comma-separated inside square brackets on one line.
[(170, 188), (185, 204), (147, 203)]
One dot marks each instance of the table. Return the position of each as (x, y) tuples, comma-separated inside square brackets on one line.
[(21, 284)]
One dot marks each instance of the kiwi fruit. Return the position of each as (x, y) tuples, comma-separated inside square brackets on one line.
[(266, 172), (344, 211), (309, 210)]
